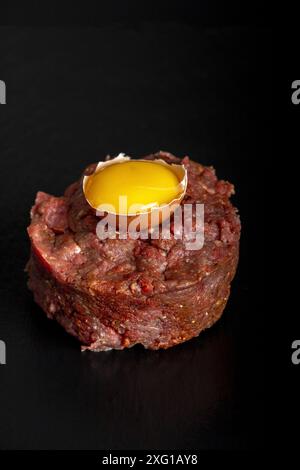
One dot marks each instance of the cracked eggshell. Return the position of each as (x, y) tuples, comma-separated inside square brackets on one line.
[(144, 217)]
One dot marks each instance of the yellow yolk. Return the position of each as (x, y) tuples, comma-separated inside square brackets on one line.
[(145, 185)]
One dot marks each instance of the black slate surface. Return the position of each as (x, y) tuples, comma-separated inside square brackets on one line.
[(74, 95)]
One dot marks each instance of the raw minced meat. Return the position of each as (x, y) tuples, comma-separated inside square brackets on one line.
[(117, 293)]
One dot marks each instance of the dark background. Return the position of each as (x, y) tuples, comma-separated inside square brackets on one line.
[(130, 78)]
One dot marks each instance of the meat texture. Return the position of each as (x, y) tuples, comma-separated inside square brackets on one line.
[(115, 293)]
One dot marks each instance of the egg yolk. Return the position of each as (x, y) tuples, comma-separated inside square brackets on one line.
[(145, 185)]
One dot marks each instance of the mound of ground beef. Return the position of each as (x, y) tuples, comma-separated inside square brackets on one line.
[(113, 294)]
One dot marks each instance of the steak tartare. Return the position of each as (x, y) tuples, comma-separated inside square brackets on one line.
[(115, 293)]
